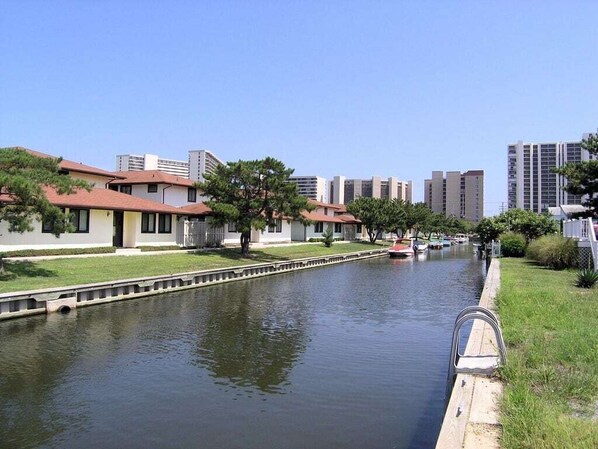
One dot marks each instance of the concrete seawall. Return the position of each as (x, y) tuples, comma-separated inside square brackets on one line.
[(25, 303), (471, 419)]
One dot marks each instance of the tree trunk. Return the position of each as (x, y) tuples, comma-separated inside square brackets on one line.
[(245, 237), (1, 264)]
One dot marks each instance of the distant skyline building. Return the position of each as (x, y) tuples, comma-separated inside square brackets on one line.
[(532, 184), (135, 162), (312, 187), (343, 191), (458, 194), (198, 163), (202, 162)]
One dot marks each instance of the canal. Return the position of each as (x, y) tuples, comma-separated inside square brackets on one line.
[(348, 356)]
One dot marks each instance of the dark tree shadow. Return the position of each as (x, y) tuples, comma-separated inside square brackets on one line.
[(24, 269)]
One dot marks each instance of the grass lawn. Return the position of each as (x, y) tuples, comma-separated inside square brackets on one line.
[(62, 272), (551, 329)]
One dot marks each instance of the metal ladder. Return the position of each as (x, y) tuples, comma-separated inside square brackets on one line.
[(480, 364)]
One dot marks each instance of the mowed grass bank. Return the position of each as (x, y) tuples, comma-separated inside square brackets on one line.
[(551, 328), (72, 271)]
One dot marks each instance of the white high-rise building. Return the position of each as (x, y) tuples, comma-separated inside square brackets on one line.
[(202, 162), (198, 163), (532, 184), (458, 194), (134, 162), (312, 187)]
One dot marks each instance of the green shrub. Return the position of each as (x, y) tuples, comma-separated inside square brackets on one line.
[(328, 238), (586, 278), (159, 248), (554, 251), (59, 251), (512, 244)]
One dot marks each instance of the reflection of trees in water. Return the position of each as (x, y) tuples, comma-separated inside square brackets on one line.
[(37, 357), (255, 338)]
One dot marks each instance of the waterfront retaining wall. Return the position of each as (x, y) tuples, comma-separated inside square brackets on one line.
[(24, 303), (471, 420)]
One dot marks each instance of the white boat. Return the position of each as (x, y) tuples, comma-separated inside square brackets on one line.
[(436, 244), (461, 238), (419, 246)]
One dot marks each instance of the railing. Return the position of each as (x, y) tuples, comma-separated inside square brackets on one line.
[(583, 231), (577, 229)]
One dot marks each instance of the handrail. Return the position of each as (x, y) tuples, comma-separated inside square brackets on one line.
[(474, 313)]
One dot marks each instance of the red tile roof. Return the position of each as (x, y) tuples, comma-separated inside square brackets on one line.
[(72, 166), (151, 177), (320, 204), (314, 216), (348, 218), (196, 209), (105, 199)]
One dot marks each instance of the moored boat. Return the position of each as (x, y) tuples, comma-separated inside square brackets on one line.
[(436, 244), (401, 248), (419, 246), (461, 238)]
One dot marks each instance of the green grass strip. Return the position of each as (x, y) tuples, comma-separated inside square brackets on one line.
[(73, 271), (551, 329)]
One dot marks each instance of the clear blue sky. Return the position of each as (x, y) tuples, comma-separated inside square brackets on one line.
[(350, 88)]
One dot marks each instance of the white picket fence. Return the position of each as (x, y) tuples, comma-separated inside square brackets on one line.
[(198, 234), (582, 230)]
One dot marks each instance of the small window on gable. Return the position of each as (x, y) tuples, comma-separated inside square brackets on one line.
[(191, 195), (152, 188)]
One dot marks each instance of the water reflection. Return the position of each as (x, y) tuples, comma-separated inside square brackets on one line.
[(323, 358), (254, 341)]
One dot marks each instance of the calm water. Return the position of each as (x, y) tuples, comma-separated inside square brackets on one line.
[(349, 356)]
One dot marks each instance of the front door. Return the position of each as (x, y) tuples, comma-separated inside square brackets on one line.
[(117, 233)]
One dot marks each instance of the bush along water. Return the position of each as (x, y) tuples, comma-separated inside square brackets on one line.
[(586, 278), (512, 244), (554, 251), (328, 238)]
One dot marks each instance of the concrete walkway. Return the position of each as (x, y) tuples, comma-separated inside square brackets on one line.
[(472, 420)]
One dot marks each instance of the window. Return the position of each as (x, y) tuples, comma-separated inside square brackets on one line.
[(113, 187), (148, 223), (359, 228), (152, 188), (126, 189), (80, 219), (275, 226), (319, 227), (337, 227), (48, 225), (164, 223), (232, 227), (191, 195)]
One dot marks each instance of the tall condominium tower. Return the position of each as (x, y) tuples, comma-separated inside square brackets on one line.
[(200, 163), (313, 187), (343, 191), (133, 162), (532, 184), (458, 194)]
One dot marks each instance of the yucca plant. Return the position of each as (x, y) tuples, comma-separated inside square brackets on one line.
[(587, 278)]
